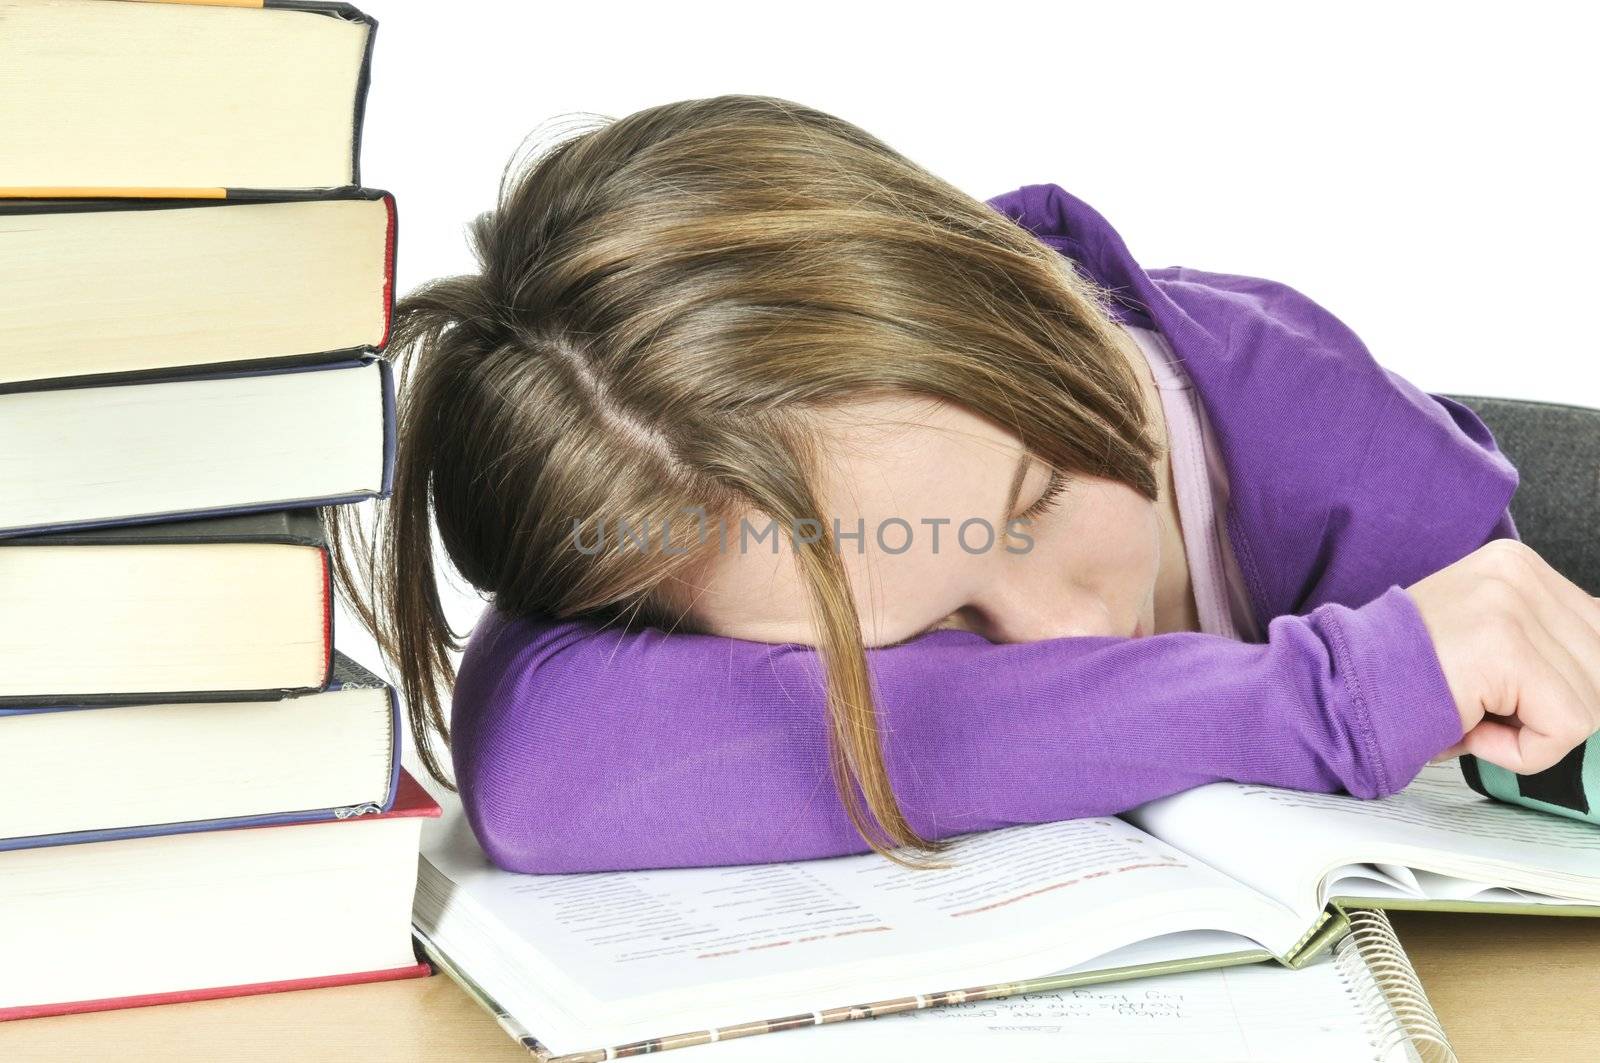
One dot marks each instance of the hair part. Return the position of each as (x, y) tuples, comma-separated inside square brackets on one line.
[(663, 301)]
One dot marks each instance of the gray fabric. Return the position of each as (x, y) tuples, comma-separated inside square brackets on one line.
[(1556, 449)]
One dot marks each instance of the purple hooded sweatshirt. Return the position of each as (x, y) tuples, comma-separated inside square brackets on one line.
[(582, 748)]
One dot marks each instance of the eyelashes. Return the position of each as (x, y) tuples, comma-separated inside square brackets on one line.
[(1049, 500)]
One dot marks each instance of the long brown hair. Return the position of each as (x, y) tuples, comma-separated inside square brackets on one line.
[(662, 299)]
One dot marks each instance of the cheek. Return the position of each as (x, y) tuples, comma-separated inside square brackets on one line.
[(1153, 534), (1109, 541), (1122, 532)]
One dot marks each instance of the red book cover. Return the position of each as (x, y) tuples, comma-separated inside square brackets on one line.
[(411, 800), (391, 238)]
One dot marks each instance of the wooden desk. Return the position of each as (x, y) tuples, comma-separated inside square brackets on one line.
[(1509, 988), (1506, 988)]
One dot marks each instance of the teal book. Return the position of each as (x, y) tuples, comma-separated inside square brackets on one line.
[(1570, 787)]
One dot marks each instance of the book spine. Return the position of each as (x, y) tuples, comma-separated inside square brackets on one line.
[(363, 78), (390, 440), (394, 750), (391, 243), (1378, 974), (327, 617)]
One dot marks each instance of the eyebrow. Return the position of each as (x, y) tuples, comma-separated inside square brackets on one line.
[(1017, 476)]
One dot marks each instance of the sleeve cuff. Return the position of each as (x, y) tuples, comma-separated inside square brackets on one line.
[(1403, 705)]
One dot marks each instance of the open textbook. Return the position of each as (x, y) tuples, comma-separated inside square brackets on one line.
[(605, 965), (1361, 1003)]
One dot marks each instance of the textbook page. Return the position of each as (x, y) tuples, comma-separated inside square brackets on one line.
[(1436, 839), (1256, 1013), (620, 956)]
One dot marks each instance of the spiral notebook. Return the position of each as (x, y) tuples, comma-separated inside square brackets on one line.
[(1360, 1002)]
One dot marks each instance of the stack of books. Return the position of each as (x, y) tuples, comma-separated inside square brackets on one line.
[(199, 797)]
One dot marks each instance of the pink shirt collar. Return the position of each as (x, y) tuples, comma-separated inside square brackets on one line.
[(1200, 481)]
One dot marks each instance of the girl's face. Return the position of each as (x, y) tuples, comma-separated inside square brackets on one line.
[(1081, 559)]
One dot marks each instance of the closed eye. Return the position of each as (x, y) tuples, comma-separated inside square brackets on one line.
[(1049, 500)]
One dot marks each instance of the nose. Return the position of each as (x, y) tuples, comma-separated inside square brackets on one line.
[(1022, 612)]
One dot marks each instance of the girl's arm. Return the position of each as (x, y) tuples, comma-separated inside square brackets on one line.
[(580, 748)]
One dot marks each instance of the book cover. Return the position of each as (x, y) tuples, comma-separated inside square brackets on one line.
[(300, 526), (411, 801), (382, 490), (24, 367), (347, 673), (294, 527), (178, 99)]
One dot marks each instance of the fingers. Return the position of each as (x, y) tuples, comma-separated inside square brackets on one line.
[(1569, 616), (1552, 716), (1520, 644), (1496, 743), (1560, 640), (1584, 606), (1553, 643)]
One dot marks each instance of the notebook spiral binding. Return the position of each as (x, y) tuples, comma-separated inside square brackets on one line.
[(1379, 975)]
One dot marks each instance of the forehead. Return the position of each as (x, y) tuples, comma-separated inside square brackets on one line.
[(904, 444), (879, 461), (888, 429)]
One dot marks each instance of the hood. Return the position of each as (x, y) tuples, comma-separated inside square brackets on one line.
[(1338, 468)]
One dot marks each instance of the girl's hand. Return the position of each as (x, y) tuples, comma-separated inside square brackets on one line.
[(1520, 647)]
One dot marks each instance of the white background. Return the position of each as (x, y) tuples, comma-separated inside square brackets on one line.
[(1425, 171)]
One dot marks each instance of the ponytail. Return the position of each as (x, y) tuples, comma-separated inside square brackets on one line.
[(396, 596)]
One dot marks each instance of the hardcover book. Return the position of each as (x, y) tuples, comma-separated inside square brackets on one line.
[(157, 920), (176, 447), (99, 289), (124, 771), (181, 98), (229, 608)]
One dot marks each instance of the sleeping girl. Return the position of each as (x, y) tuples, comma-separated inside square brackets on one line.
[(821, 508)]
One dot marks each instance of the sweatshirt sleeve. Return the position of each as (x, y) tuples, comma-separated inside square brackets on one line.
[(585, 748)]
